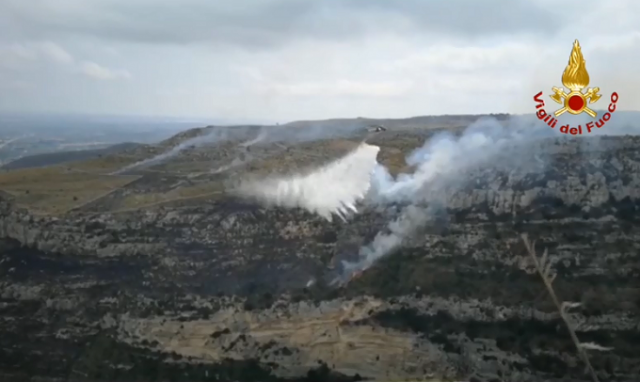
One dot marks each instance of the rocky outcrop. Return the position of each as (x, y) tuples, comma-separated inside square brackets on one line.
[(221, 290)]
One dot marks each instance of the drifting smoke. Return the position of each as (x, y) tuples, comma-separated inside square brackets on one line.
[(245, 157), (236, 162), (306, 131), (412, 219), (273, 134), (335, 188), (262, 135), (442, 165), (446, 156), (291, 132), (216, 135)]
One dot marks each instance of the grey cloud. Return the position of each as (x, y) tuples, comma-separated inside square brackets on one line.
[(471, 18), (266, 23)]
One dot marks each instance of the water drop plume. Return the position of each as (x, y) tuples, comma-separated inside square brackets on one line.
[(333, 189)]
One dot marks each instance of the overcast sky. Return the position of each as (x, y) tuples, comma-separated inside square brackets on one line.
[(283, 60)]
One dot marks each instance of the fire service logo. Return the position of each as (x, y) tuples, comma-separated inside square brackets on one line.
[(576, 101)]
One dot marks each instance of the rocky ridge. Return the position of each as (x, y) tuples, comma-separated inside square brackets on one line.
[(220, 290)]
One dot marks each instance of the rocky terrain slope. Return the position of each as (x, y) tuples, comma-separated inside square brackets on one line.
[(53, 158), (222, 290)]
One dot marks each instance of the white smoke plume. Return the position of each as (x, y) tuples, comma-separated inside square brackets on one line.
[(302, 131), (262, 135), (246, 157), (412, 218), (216, 135), (441, 165), (236, 162), (444, 155), (335, 188)]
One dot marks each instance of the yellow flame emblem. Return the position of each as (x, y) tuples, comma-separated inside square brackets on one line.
[(576, 78)]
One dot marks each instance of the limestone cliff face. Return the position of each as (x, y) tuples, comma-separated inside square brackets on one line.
[(220, 290)]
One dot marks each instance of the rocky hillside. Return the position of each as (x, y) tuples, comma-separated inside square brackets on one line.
[(49, 159), (220, 290)]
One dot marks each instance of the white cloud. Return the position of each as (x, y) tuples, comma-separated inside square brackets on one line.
[(56, 53), (15, 56), (19, 53), (460, 57), (96, 71)]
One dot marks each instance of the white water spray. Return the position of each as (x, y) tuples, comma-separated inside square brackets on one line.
[(335, 188)]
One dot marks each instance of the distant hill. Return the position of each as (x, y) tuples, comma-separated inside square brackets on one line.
[(50, 159), (441, 121)]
